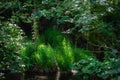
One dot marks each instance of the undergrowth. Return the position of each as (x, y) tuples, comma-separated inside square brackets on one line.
[(53, 50)]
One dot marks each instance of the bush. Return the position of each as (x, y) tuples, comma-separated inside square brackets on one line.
[(92, 68), (11, 43)]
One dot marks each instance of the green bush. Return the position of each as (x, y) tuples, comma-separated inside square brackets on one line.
[(91, 68), (11, 43)]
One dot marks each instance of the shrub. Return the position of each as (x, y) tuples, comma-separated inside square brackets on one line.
[(11, 43), (92, 68)]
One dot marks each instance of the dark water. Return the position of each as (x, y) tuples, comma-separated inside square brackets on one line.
[(57, 76), (33, 76), (44, 77)]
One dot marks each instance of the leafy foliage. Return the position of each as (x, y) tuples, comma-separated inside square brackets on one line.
[(10, 46), (92, 68), (89, 24)]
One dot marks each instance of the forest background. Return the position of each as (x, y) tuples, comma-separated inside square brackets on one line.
[(61, 35)]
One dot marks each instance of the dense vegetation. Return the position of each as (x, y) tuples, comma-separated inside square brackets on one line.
[(61, 35)]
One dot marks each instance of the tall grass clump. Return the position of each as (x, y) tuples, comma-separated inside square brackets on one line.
[(27, 54), (61, 46), (65, 55), (45, 56)]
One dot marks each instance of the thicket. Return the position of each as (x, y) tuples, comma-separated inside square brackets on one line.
[(46, 32)]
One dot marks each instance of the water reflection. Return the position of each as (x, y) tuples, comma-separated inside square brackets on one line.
[(57, 76), (33, 76)]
